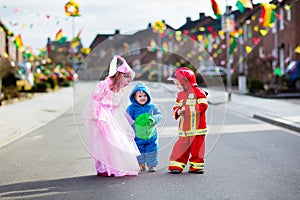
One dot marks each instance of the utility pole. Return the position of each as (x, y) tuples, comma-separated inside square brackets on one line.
[(73, 51), (227, 27), (159, 28), (159, 58)]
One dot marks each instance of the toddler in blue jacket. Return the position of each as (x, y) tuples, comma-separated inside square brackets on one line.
[(145, 115)]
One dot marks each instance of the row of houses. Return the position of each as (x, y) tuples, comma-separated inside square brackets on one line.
[(22, 70), (8, 49), (14, 54), (258, 51)]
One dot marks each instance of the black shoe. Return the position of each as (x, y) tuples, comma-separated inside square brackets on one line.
[(175, 171), (199, 171), (142, 167), (104, 174), (151, 169)]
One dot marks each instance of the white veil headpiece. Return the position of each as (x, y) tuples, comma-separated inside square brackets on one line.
[(124, 68)]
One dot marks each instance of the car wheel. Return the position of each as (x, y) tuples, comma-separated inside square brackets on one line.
[(297, 84)]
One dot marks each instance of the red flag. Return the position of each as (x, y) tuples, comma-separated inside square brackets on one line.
[(216, 9)]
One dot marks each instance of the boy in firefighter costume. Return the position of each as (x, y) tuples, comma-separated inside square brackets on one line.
[(146, 116), (190, 109)]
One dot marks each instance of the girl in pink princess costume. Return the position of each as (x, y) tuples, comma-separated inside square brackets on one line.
[(112, 144)]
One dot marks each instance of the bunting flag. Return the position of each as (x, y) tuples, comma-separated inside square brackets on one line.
[(72, 9), (255, 40), (78, 35), (200, 38), (28, 53), (165, 47), (159, 26), (263, 32), (152, 46), (126, 46), (216, 9), (243, 4), (75, 43), (42, 51), (248, 49), (233, 44), (60, 37), (206, 42), (85, 50), (268, 15), (236, 33), (18, 41), (278, 72), (297, 50)]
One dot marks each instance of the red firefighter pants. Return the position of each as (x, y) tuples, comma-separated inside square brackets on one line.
[(186, 149)]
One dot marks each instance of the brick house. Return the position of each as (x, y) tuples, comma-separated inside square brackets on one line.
[(258, 52)]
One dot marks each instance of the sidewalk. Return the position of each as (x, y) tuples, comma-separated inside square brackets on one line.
[(19, 119), (280, 112)]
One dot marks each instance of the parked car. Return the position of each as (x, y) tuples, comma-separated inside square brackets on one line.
[(213, 71), (293, 74)]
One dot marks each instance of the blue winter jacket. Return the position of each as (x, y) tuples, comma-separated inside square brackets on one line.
[(145, 116)]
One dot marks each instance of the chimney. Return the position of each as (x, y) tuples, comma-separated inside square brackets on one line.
[(117, 31), (201, 15), (188, 20), (229, 8)]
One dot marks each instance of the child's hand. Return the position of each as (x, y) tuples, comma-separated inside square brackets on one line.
[(152, 120), (181, 111)]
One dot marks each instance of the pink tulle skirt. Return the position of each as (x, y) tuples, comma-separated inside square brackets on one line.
[(112, 144)]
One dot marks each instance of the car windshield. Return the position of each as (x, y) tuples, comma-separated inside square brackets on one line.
[(212, 70)]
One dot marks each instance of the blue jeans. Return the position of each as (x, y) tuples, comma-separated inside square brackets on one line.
[(149, 151)]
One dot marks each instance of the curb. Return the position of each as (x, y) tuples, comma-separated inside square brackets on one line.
[(278, 121), (9, 136)]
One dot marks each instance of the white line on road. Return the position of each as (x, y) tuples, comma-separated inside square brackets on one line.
[(217, 129)]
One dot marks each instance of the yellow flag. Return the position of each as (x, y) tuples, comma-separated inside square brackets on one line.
[(248, 49), (72, 9), (263, 32), (297, 50), (202, 29), (159, 26), (200, 38)]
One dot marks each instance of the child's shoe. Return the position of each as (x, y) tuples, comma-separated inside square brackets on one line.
[(142, 167), (175, 171), (151, 169), (199, 171), (104, 174)]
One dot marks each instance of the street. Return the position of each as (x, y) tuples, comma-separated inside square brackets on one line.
[(245, 159)]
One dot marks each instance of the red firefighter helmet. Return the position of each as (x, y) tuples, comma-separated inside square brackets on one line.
[(185, 76)]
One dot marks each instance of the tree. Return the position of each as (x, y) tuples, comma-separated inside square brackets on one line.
[(5, 70)]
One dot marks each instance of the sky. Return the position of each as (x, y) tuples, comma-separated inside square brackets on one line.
[(38, 20)]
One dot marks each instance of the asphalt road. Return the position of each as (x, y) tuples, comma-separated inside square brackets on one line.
[(246, 159)]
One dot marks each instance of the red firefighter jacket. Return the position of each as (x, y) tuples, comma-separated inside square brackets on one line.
[(193, 122)]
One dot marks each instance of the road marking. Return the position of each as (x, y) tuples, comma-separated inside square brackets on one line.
[(218, 129), (157, 100)]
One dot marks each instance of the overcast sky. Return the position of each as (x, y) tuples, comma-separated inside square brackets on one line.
[(38, 20)]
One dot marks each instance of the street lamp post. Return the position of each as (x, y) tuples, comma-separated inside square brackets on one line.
[(73, 51), (159, 57), (72, 10), (227, 27), (159, 28)]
